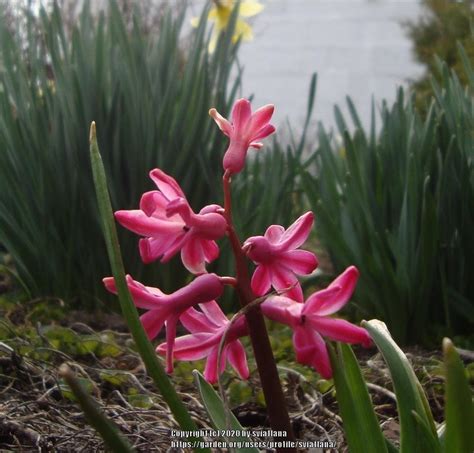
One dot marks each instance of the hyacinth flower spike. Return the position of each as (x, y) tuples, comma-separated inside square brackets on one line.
[(278, 260), (311, 322), (166, 309), (169, 225), (207, 328), (244, 131)]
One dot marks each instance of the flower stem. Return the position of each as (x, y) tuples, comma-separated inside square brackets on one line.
[(272, 390)]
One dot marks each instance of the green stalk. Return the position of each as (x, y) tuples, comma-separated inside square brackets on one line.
[(129, 311), (93, 414)]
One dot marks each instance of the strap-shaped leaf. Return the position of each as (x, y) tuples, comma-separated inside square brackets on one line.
[(459, 410), (222, 418), (145, 348), (361, 427), (417, 432)]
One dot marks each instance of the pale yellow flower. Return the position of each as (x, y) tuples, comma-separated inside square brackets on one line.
[(220, 15)]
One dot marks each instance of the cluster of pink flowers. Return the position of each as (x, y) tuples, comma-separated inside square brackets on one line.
[(168, 225)]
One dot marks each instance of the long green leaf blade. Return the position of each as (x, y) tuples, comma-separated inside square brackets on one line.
[(459, 410), (221, 418), (413, 435), (129, 311), (361, 427)]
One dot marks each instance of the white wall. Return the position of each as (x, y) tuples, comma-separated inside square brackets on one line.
[(357, 47)]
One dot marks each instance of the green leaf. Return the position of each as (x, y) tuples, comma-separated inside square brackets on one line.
[(459, 410), (115, 377), (222, 418), (87, 344), (417, 433), (141, 401), (361, 427), (145, 348)]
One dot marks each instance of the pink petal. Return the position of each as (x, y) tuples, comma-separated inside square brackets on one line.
[(274, 233), (238, 359), (261, 280), (312, 350), (210, 371), (299, 261), (154, 204), (138, 222), (170, 338), (196, 321), (260, 118), (256, 145), (143, 296), (208, 226), (152, 322), (339, 330), (154, 248), (297, 233), (202, 289), (167, 185), (192, 256), (240, 116), (214, 314), (211, 250), (265, 131), (179, 208), (234, 157), (223, 124), (284, 279), (319, 298), (282, 309), (210, 208), (175, 246), (191, 347), (237, 329), (336, 295)]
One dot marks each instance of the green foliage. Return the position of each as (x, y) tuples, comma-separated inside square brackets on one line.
[(143, 344), (448, 22), (361, 426), (417, 427), (400, 206), (459, 436), (150, 96), (221, 416)]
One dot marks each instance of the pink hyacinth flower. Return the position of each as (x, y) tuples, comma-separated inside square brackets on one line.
[(278, 260), (207, 328), (310, 321), (244, 131), (170, 225), (165, 309)]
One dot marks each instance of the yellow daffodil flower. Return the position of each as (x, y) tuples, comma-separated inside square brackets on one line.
[(220, 15)]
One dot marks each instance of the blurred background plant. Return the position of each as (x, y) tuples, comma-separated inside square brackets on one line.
[(436, 33), (148, 85), (399, 204)]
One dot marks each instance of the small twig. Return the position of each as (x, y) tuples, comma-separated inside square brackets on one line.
[(16, 430), (383, 390), (465, 353)]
